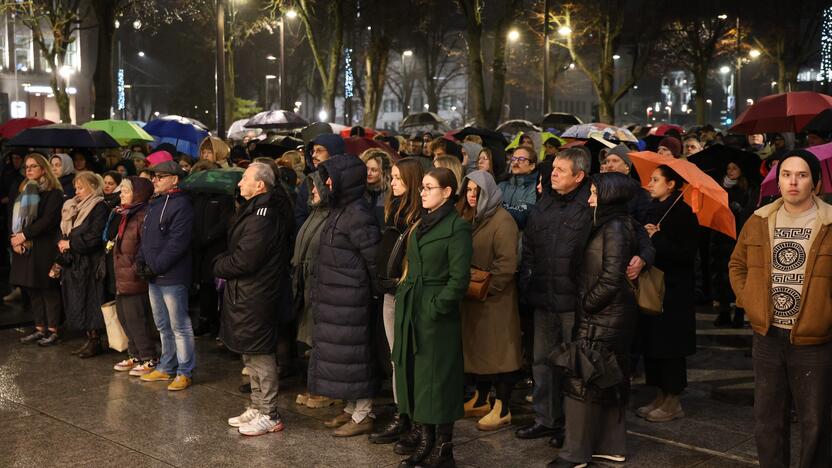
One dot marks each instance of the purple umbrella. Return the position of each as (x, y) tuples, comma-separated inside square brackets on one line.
[(824, 154)]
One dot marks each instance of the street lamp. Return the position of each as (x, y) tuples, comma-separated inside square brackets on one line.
[(266, 96), (616, 57), (649, 110), (407, 53), (271, 58), (749, 101), (725, 69), (141, 53), (322, 115), (291, 13), (564, 31), (513, 35), (754, 53), (773, 84), (669, 110)]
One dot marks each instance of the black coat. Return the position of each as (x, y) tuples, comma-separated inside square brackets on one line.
[(673, 333), (82, 278), (68, 186), (343, 362), (255, 268), (32, 270), (212, 218)]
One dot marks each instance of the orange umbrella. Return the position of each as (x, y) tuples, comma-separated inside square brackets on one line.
[(702, 193)]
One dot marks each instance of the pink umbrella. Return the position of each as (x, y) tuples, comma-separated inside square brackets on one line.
[(824, 154)]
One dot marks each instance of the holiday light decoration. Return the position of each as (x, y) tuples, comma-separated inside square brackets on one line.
[(826, 46)]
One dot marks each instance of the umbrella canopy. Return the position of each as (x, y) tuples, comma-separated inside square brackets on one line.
[(538, 138), (824, 154), (661, 130), (786, 112), (368, 132), (275, 145), (278, 119), (12, 127), (223, 181), (62, 136), (423, 119), (181, 133), (559, 121), (357, 145), (605, 131), (713, 160), (237, 130), (494, 141), (707, 199), (513, 127), (185, 120), (122, 131), (820, 123)]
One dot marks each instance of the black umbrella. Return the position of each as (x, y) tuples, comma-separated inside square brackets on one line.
[(279, 119), (713, 160), (422, 119), (559, 121), (495, 141), (513, 127), (63, 136), (821, 123)]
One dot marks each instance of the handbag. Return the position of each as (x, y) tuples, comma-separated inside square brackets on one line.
[(393, 270), (478, 287), (649, 291), (115, 333)]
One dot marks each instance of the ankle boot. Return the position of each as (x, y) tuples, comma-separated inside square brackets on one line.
[(93, 348), (739, 318), (442, 455), (399, 426), (427, 436), (724, 317), (643, 411)]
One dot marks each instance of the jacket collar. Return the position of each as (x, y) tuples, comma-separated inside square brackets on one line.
[(824, 210)]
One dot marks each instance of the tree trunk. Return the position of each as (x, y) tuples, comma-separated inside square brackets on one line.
[(476, 83), (102, 78), (700, 86), (375, 75), (786, 76), (230, 83), (498, 78), (61, 96)]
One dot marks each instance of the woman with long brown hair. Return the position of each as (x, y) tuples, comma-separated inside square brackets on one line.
[(401, 211), (34, 234)]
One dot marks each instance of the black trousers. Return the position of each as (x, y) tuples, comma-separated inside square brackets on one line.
[(670, 375), (46, 306), (784, 373), (136, 318)]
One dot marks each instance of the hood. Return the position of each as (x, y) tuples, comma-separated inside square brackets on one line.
[(314, 178), (219, 147), (491, 197), (142, 189), (473, 151), (349, 178), (67, 165), (824, 210), (333, 143), (613, 188)]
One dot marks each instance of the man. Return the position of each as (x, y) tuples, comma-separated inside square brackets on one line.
[(815, 138), (320, 149), (414, 145), (691, 146), (670, 146), (254, 267), (780, 271), (164, 260), (519, 191)]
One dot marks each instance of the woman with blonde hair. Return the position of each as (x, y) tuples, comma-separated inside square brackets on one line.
[(35, 216), (453, 163), (81, 249), (378, 181), (293, 160)]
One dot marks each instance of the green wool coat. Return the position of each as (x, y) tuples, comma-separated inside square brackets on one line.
[(427, 350)]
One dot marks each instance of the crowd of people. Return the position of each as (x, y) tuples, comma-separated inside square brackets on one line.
[(458, 270)]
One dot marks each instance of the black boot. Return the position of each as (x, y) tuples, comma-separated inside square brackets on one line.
[(399, 426), (724, 317), (83, 347), (407, 443), (427, 436), (442, 455), (739, 318), (93, 347)]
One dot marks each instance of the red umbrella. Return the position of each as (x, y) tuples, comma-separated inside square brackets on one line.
[(661, 130), (786, 112), (14, 126), (368, 132), (357, 145)]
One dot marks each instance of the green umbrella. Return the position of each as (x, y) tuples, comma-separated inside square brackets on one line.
[(223, 181), (122, 131)]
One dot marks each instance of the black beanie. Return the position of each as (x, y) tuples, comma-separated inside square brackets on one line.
[(811, 160)]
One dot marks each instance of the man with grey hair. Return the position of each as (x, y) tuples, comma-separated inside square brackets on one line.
[(254, 266)]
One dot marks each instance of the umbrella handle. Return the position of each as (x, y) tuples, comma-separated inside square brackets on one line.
[(674, 204)]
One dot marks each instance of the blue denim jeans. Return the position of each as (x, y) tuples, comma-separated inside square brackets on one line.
[(170, 312)]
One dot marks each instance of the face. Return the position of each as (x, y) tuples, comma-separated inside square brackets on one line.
[(82, 190), (593, 196), (664, 151), (526, 140), (185, 165), (433, 196), (373, 172), (126, 194), (110, 185), (140, 164), (614, 163), (550, 150), (207, 154), (692, 146), (756, 139), (33, 170), (472, 193), (521, 163), (316, 196), (659, 187), (397, 184), (437, 152), (57, 166), (17, 161), (80, 162), (249, 186), (795, 181), (415, 146), (319, 154), (484, 162), (162, 183), (733, 171), (563, 180), (121, 170)]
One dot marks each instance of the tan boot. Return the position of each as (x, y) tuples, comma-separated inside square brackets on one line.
[(670, 409), (645, 410), (492, 421), (472, 411), (302, 398), (339, 420), (352, 428), (318, 401)]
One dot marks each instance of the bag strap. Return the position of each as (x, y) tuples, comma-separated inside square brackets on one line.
[(671, 206)]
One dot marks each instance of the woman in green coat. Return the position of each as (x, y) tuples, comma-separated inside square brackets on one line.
[(427, 349)]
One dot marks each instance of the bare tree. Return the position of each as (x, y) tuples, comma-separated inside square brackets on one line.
[(402, 80), (326, 28)]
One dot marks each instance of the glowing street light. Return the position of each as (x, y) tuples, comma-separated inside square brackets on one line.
[(616, 57), (407, 53), (291, 13), (571, 66), (141, 53), (513, 35), (323, 116), (564, 30), (137, 24), (725, 69), (271, 58), (754, 53), (723, 17)]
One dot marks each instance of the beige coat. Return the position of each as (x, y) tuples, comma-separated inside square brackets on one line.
[(491, 329)]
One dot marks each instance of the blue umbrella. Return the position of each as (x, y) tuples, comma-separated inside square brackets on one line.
[(186, 137)]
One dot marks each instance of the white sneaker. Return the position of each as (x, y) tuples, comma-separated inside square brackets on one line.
[(244, 418), (143, 368), (260, 425), (126, 365), (615, 458)]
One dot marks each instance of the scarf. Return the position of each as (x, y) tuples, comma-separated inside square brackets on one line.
[(430, 219), (603, 213), (124, 211), (728, 183), (25, 209), (74, 212)]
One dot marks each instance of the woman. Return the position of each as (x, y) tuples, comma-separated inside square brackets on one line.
[(293, 160), (491, 329), (606, 321), (34, 220), (132, 303), (666, 339), (214, 149), (378, 181), (64, 171), (452, 163), (487, 162), (125, 167), (401, 211), (185, 162), (81, 250), (429, 382), (112, 179)]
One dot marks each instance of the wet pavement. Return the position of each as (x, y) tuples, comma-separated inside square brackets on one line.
[(59, 410)]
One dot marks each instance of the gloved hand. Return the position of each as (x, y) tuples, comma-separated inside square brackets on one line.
[(144, 272)]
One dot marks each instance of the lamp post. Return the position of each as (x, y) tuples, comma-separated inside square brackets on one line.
[(219, 80), (545, 106), (290, 14), (266, 95)]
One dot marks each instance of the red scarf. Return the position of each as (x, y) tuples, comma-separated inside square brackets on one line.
[(124, 211)]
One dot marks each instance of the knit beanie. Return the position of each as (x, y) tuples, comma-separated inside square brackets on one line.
[(621, 150), (673, 144), (811, 160)]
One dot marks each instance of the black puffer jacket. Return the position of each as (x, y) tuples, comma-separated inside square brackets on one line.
[(255, 268), (212, 216), (608, 314), (343, 362), (553, 242)]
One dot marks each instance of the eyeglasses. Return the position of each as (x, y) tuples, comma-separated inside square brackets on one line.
[(518, 159), (425, 188), (32, 166), (161, 176)]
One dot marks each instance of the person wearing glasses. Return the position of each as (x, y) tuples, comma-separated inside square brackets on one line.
[(519, 191), (164, 261)]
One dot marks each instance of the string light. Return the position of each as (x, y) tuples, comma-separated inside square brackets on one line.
[(826, 46), (349, 84)]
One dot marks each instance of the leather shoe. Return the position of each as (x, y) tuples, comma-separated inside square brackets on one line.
[(339, 420), (556, 441), (535, 431), (399, 426)]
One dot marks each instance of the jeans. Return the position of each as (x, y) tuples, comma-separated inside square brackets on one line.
[(262, 372), (550, 330), (170, 312), (784, 373)]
